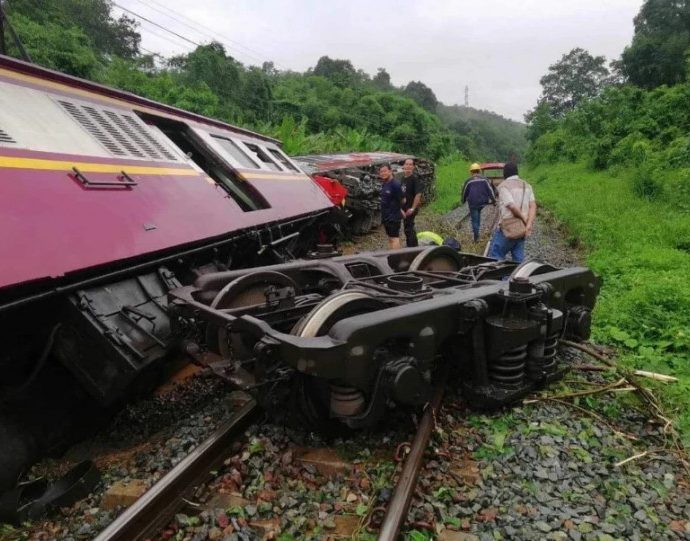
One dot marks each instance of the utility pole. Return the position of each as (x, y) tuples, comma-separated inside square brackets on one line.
[(467, 92), (3, 50)]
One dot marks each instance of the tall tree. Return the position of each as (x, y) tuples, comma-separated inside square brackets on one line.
[(210, 64), (109, 36), (341, 72), (657, 54), (422, 94), (577, 76), (382, 79), (539, 121)]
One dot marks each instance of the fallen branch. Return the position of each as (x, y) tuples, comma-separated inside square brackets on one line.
[(630, 459), (603, 389), (589, 368), (595, 416), (656, 376), (588, 351)]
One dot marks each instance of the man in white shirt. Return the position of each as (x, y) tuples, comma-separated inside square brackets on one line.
[(515, 199)]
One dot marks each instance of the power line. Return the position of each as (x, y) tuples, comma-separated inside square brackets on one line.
[(204, 30), (156, 24), (185, 47), (262, 55)]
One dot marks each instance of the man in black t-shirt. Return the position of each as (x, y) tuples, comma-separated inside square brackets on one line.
[(392, 199), (412, 191)]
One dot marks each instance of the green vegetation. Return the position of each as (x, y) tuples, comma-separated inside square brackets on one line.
[(451, 172), (482, 134), (332, 107), (615, 169), (640, 247)]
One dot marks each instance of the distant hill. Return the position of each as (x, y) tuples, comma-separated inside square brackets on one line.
[(483, 135)]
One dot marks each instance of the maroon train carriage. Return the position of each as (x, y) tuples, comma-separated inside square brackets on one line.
[(493, 171), (107, 202)]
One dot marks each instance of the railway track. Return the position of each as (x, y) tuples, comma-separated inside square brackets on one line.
[(155, 508), (396, 513)]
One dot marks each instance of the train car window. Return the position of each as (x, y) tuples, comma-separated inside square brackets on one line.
[(184, 138), (282, 158), (257, 151), (236, 152)]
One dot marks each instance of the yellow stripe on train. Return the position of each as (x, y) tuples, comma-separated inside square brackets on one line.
[(13, 162)]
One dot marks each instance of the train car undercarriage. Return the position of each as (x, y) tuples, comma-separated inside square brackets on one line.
[(351, 336), (76, 352)]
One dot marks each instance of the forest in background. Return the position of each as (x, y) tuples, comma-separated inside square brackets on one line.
[(330, 107), (610, 156)]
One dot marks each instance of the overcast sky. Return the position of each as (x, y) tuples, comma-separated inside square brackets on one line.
[(499, 48)]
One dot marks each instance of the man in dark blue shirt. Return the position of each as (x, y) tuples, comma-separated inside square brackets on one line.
[(477, 192), (412, 191), (391, 206)]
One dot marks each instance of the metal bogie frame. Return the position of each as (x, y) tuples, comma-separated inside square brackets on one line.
[(497, 322)]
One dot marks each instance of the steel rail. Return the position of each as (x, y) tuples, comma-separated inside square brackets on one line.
[(402, 496), (159, 504)]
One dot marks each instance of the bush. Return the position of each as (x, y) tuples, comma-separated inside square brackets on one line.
[(647, 183), (633, 149), (677, 153), (552, 147)]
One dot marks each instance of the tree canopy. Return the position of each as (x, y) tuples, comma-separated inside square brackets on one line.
[(577, 76), (422, 94), (658, 52)]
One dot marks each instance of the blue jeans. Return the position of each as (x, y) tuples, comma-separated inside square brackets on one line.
[(500, 246), (476, 217)]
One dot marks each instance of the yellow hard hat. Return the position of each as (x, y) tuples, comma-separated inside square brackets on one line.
[(475, 167)]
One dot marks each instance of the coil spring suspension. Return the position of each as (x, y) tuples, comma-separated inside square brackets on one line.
[(549, 357), (509, 369)]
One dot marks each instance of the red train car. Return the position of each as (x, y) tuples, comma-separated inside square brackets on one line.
[(107, 201)]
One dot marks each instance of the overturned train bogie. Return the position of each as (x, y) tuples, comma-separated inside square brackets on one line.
[(356, 334)]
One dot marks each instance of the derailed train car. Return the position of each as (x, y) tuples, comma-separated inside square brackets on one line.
[(107, 202), (358, 173), (132, 230)]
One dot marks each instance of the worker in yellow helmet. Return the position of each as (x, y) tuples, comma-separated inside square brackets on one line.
[(477, 192)]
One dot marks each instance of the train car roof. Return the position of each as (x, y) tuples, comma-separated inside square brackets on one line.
[(316, 163), (492, 165), (34, 70)]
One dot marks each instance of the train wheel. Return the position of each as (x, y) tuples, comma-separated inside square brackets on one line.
[(316, 399), (531, 268), (437, 259), (245, 291)]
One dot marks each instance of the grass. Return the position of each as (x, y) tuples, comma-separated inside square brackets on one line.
[(451, 173), (639, 247)]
